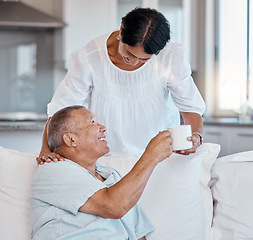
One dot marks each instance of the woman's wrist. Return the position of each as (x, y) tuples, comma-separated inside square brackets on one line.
[(200, 136)]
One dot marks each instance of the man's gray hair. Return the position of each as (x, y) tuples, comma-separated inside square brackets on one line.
[(59, 124)]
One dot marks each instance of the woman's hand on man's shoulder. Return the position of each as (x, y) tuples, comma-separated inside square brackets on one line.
[(48, 157)]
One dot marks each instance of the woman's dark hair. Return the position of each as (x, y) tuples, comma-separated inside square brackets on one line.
[(146, 27)]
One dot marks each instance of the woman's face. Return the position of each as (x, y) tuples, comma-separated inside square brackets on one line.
[(133, 55)]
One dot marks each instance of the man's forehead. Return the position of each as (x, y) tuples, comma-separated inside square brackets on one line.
[(83, 113)]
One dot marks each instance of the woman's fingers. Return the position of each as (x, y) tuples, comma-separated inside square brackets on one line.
[(48, 157)]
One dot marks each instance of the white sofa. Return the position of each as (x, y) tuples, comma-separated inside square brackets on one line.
[(178, 198)]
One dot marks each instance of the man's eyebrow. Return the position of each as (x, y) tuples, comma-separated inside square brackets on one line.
[(135, 56)]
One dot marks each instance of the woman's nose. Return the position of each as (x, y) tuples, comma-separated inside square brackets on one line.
[(134, 61)]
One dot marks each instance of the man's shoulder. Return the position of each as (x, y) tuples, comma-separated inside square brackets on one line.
[(57, 165), (54, 170)]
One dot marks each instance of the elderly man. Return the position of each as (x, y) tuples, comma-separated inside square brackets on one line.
[(79, 199)]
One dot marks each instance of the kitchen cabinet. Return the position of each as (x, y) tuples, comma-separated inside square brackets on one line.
[(233, 139), (241, 139), (217, 134)]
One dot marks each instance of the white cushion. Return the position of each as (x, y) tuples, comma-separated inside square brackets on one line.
[(231, 185), (177, 198), (16, 172)]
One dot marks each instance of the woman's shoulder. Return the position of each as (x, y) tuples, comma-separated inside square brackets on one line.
[(96, 43), (172, 48), (93, 47), (172, 54)]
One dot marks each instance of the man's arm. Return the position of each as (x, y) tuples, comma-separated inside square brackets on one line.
[(45, 153), (114, 202)]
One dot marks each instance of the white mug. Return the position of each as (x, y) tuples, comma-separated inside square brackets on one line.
[(179, 135)]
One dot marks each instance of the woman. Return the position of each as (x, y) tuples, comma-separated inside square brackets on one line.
[(136, 82)]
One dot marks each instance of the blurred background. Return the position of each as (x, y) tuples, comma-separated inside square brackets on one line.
[(35, 49)]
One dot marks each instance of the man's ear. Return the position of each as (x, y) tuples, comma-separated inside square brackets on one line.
[(70, 139)]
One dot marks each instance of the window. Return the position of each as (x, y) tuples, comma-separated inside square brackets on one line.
[(234, 55)]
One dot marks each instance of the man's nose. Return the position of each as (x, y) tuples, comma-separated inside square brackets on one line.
[(101, 128)]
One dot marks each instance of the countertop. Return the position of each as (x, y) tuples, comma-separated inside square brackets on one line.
[(227, 122), (32, 125), (22, 121)]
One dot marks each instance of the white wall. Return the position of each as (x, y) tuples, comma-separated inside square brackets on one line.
[(86, 20)]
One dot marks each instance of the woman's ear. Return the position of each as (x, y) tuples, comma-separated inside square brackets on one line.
[(70, 139), (121, 27)]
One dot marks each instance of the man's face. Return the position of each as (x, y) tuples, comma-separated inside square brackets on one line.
[(91, 134)]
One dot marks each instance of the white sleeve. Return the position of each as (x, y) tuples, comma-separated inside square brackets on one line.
[(184, 92), (187, 97), (75, 87)]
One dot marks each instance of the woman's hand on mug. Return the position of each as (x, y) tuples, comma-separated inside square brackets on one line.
[(195, 144)]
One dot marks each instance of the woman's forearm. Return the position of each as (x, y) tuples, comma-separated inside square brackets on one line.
[(45, 147), (193, 119), (45, 153)]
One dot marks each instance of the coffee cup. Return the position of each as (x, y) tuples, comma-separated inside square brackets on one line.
[(179, 135)]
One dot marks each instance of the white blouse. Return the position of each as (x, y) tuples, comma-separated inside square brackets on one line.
[(133, 105)]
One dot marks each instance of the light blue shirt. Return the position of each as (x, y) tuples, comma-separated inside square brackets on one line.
[(60, 189)]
